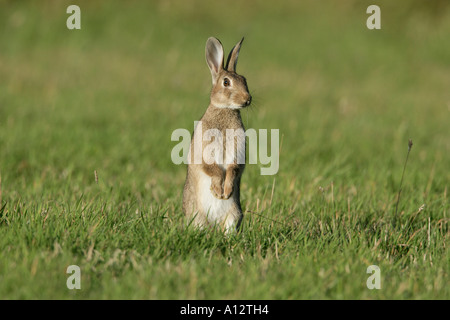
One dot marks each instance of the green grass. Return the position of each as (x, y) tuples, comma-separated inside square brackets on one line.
[(106, 98)]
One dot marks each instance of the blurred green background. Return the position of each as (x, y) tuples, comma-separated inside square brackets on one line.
[(106, 98)]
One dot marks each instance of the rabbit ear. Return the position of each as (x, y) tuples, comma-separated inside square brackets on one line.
[(214, 57), (233, 57)]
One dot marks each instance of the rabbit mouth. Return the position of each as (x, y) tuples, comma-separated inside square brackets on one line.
[(247, 102), (243, 105), (236, 105)]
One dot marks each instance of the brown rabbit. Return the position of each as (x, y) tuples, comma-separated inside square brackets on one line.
[(211, 192)]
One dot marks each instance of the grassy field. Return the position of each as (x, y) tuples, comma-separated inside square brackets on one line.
[(106, 99)]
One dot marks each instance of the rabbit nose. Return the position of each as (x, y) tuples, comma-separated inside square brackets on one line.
[(249, 100)]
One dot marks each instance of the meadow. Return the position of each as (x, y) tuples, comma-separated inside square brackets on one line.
[(86, 176)]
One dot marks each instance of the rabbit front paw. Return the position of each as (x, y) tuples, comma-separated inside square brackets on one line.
[(227, 190), (216, 188)]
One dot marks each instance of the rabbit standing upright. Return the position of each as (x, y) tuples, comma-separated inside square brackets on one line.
[(211, 195)]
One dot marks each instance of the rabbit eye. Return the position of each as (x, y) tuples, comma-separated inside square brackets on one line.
[(226, 82)]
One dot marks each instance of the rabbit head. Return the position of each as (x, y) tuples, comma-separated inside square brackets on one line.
[(229, 88)]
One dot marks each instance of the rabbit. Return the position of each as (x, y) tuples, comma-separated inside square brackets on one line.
[(211, 195)]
